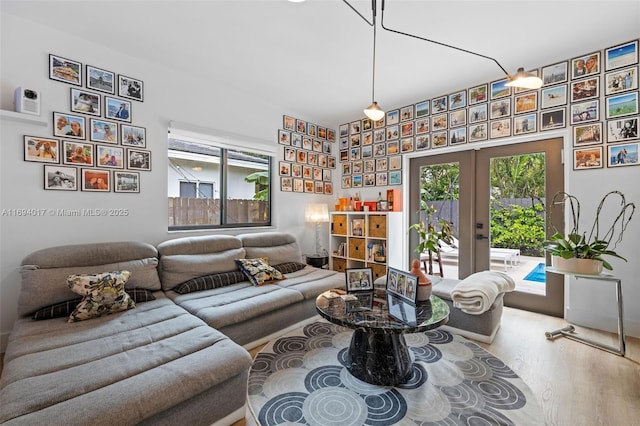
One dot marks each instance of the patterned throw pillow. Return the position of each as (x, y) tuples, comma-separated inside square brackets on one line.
[(208, 282), (103, 294), (258, 271), (289, 267)]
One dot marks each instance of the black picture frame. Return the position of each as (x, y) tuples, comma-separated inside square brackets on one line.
[(402, 284), (126, 181), (130, 88), (85, 102), (60, 178), (117, 109), (100, 80), (65, 70), (138, 159), (359, 279)]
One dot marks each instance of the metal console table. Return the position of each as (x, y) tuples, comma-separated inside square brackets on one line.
[(569, 331)]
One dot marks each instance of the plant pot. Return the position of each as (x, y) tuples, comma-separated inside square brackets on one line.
[(577, 266)]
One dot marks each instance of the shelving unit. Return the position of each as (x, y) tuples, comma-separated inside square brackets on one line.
[(24, 118), (362, 240)]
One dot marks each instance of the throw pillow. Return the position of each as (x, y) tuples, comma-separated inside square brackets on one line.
[(258, 271), (208, 282), (289, 267), (103, 294)]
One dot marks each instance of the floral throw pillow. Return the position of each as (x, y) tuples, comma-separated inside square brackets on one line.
[(258, 271), (103, 294)]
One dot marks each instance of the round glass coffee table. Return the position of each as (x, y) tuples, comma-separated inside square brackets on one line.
[(378, 352)]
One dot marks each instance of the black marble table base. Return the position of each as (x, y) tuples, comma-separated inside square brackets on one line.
[(379, 358)]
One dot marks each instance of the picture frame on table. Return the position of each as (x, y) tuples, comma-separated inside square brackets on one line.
[(69, 126), (286, 184), (288, 123), (622, 155), (60, 178), (96, 180), (359, 279), (126, 181), (621, 55), (85, 102), (478, 94), (402, 284), (103, 131), (587, 134), (65, 70), (622, 105), (117, 109), (622, 80), (138, 159), (622, 130), (78, 153), (553, 119), (525, 124), (555, 73), (585, 112), (553, 96), (41, 150), (499, 89), (422, 109), (587, 158), (585, 65), (110, 156), (100, 80), (587, 88), (133, 136), (130, 88)]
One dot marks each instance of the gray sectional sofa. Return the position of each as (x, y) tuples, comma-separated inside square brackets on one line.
[(176, 359)]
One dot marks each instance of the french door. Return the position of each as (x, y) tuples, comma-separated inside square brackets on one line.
[(496, 198)]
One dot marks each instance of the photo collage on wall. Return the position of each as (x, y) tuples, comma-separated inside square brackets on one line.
[(95, 147), (308, 157)]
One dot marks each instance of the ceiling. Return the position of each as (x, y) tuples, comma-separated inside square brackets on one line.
[(314, 59)]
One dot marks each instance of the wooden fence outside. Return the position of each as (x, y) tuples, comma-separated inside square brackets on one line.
[(185, 211)]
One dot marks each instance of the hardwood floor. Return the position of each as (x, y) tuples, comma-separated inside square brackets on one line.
[(575, 384)]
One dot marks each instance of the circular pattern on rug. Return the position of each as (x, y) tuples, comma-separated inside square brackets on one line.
[(301, 378)]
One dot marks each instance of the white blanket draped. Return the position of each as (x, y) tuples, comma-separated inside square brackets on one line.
[(476, 293)]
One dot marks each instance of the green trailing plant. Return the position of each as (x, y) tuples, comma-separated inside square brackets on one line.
[(577, 244)]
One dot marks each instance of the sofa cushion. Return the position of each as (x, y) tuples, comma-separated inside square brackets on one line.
[(258, 271), (210, 281), (103, 294), (290, 267), (278, 247)]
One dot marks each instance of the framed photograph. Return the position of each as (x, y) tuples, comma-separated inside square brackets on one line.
[(552, 119), (331, 135), (393, 133), (439, 122), (369, 179), (309, 186), (393, 117), (500, 109), (103, 131), (422, 109), (68, 126), (138, 159), (439, 139), (284, 169), (621, 80), (553, 96), (307, 172), (587, 134), (526, 102), (117, 109), (379, 150), (85, 102), (395, 162), (439, 104), (96, 180), (525, 124), (307, 143), (621, 55), (346, 182), (585, 112), (585, 65), (406, 113), (110, 156), (402, 284), (298, 185), (458, 136), (478, 94), (356, 181), (359, 279), (621, 105), (422, 142), (395, 177), (478, 113), (296, 140), (78, 153), (60, 178), (622, 130), (587, 158), (382, 179), (478, 132), (406, 129), (322, 133), (288, 123), (126, 181), (318, 187), (286, 184), (500, 128), (101, 80), (312, 130), (367, 139), (343, 130), (328, 188), (499, 90), (379, 135), (130, 88), (517, 90), (301, 156), (458, 100), (458, 118), (355, 127), (554, 74), (367, 124), (284, 137), (381, 165), (323, 160), (367, 151), (584, 89), (65, 70), (133, 136), (393, 148), (326, 175), (619, 155), (41, 150), (331, 162)]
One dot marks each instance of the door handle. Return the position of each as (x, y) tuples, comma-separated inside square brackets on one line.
[(481, 237)]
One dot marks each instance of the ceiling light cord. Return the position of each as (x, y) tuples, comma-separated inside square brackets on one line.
[(373, 81)]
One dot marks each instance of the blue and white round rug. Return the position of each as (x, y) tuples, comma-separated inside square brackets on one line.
[(301, 378)]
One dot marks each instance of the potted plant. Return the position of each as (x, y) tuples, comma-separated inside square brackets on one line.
[(430, 236), (578, 253)]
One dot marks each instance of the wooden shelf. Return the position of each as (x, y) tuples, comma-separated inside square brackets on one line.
[(24, 118)]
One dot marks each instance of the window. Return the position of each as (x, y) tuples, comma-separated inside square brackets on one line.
[(216, 186)]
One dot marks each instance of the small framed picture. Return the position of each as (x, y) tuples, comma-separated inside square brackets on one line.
[(296, 170), (458, 136), (117, 109), (395, 162), (60, 178), (85, 102), (126, 181), (103, 131), (478, 113), (110, 156), (68, 126), (499, 89), (286, 184), (133, 136), (331, 136), (78, 153), (393, 132), (458, 100), (439, 105), (585, 112), (380, 123), (402, 284), (587, 134), (478, 132), (587, 158), (621, 105), (130, 88), (101, 80), (478, 94), (343, 130), (309, 186), (439, 139), (285, 168), (406, 145), (326, 146), (406, 129), (552, 119), (621, 155), (359, 279), (500, 128), (526, 102), (138, 159), (307, 143), (395, 178), (621, 55), (298, 185), (500, 109), (318, 187), (458, 118), (584, 89), (621, 80), (525, 124), (288, 123), (41, 150), (422, 109), (312, 130), (284, 137), (355, 127), (382, 179), (96, 180), (622, 130), (345, 182), (369, 179), (296, 140), (554, 74), (381, 164), (65, 70), (356, 181), (322, 132), (393, 117), (439, 122), (553, 96), (585, 65), (393, 148), (406, 113), (326, 175), (328, 188)]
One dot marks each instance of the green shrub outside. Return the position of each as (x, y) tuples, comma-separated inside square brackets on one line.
[(518, 227)]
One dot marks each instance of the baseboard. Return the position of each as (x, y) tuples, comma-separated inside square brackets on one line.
[(231, 418), (471, 335), (265, 339)]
